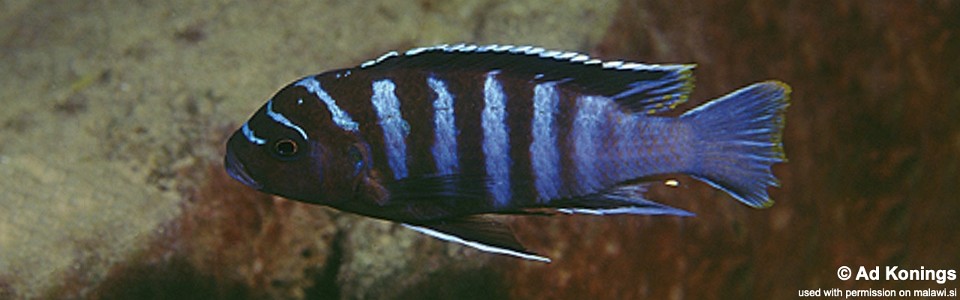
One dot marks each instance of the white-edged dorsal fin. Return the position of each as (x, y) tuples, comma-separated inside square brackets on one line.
[(637, 87)]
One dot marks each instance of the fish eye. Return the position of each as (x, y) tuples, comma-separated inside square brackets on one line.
[(285, 148)]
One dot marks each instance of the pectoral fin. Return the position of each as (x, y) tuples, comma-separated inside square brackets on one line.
[(458, 188), (478, 232)]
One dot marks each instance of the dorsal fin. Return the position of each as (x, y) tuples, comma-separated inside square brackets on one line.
[(635, 86)]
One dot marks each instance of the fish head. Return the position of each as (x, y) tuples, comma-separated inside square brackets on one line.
[(288, 148)]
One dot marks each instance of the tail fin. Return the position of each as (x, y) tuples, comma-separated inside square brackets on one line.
[(740, 136)]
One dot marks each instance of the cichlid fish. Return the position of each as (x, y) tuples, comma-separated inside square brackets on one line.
[(436, 137)]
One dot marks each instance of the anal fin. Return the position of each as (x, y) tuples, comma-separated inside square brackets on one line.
[(627, 199), (479, 232)]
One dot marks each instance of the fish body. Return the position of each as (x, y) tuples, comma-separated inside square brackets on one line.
[(436, 137)]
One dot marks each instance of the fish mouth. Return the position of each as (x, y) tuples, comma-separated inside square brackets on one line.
[(236, 170)]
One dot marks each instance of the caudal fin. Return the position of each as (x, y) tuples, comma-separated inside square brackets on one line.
[(740, 136)]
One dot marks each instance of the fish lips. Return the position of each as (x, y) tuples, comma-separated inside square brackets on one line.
[(236, 170)]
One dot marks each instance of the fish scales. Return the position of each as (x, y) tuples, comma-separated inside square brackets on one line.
[(583, 129), (436, 136), (444, 150)]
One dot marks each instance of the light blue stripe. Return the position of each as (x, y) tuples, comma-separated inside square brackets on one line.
[(586, 135), (544, 151), (395, 129), (247, 132), (635, 210), (496, 143), (478, 245), (279, 118), (444, 128), (628, 147), (340, 117)]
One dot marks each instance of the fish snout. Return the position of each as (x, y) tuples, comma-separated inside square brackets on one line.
[(236, 170)]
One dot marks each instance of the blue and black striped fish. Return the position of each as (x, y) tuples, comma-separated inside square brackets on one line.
[(436, 137)]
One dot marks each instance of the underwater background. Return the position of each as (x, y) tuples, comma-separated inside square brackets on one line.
[(114, 116)]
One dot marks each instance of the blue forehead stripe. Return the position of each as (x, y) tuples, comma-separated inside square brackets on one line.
[(247, 132), (279, 118), (340, 117)]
